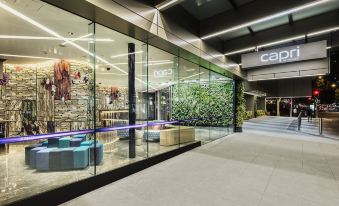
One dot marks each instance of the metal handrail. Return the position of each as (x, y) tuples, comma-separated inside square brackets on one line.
[(321, 126), (299, 120)]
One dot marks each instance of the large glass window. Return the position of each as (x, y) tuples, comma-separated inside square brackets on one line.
[(79, 99), (47, 60)]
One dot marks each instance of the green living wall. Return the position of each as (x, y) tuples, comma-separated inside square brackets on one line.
[(212, 103)]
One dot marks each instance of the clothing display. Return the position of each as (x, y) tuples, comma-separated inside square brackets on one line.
[(62, 80)]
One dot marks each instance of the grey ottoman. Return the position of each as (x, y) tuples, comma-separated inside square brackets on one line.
[(53, 142), (55, 159), (28, 150), (75, 142), (99, 153), (67, 158), (32, 156), (42, 159), (80, 157)]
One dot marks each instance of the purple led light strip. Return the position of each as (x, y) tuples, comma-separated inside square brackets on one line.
[(89, 131), (63, 134), (43, 136)]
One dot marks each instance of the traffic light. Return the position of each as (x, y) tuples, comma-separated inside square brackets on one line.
[(316, 93)]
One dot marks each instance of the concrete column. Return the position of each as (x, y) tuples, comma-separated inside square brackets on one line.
[(1, 67), (131, 98), (291, 108), (278, 106), (158, 97)]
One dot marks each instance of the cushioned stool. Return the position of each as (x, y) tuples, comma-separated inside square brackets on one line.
[(87, 143), (152, 135), (64, 142), (66, 158), (80, 157), (32, 156), (42, 159), (55, 159), (123, 134), (99, 153), (28, 150), (53, 142), (75, 142), (45, 143), (82, 136)]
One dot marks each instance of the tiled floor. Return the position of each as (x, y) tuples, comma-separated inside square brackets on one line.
[(266, 165), (18, 181)]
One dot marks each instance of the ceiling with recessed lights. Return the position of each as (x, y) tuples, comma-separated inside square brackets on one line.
[(232, 25)]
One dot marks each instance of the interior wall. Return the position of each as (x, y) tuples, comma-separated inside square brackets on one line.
[(26, 83)]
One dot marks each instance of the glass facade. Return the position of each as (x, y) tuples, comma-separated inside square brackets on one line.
[(78, 99)]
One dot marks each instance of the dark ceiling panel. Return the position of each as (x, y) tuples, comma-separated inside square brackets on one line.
[(249, 12), (242, 2), (312, 24), (202, 9)]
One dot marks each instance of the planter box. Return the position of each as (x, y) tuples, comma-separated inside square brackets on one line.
[(170, 136)]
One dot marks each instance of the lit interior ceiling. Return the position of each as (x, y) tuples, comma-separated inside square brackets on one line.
[(23, 43)]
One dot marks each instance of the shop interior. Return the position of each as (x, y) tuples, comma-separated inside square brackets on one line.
[(60, 72)]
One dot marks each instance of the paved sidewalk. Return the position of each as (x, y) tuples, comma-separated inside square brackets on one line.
[(256, 167)]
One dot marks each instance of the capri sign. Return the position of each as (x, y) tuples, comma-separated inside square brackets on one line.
[(316, 50), (289, 55)]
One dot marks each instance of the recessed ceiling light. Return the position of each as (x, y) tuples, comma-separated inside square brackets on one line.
[(54, 38), (285, 40), (126, 54), (165, 5)]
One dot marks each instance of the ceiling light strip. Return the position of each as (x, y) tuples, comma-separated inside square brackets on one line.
[(284, 41), (281, 41), (191, 76), (240, 51), (126, 54), (323, 31), (166, 5), (264, 19), (81, 37), (52, 38), (25, 56)]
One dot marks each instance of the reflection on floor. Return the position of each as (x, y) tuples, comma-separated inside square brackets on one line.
[(18, 181), (272, 167)]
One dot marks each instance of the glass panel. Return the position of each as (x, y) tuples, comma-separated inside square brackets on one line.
[(205, 104), (73, 82), (162, 76), (186, 102), (46, 87), (114, 82), (221, 107)]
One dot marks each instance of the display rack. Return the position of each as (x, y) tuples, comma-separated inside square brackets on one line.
[(109, 118)]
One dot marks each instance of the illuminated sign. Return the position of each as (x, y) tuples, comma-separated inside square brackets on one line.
[(316, 50), (282, 56)]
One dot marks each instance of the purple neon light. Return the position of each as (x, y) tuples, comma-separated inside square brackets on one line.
[(43, 136), (99, 130), (108, 129)]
